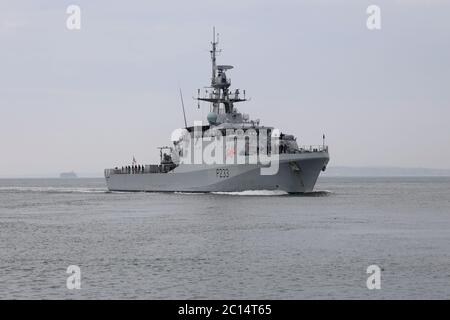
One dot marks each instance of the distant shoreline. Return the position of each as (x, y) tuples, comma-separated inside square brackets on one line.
[(336, 171), (341, 171)]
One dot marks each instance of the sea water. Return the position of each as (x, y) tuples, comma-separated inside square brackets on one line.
[(248, 245)]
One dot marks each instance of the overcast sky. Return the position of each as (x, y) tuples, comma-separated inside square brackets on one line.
[(90, 99)]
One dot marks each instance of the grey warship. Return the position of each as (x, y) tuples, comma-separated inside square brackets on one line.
[(274, 161)]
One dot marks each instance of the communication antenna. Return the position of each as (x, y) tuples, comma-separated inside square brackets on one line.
[(182, 106)]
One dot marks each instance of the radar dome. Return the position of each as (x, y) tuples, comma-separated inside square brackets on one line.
[(212, 117)]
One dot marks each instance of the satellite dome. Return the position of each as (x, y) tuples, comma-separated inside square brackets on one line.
[(212, 117)]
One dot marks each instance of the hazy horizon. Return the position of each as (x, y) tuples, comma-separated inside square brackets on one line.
[(332, 171), (94, 98)]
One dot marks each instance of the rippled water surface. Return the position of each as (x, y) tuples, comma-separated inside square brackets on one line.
[(250, 245)]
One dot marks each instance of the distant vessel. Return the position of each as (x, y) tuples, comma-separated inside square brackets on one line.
[(245, 154), (68, 175)]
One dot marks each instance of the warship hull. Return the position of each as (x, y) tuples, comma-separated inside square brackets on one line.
[(228, 133), (297, 173)]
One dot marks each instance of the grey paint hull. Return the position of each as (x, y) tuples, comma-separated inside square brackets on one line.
[(299, 178)]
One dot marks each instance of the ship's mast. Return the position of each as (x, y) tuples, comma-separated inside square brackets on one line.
[(213, 56), (216, 92), (220, 84)]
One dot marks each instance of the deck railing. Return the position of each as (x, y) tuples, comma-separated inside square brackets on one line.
[(162, 168), (314, 148)]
